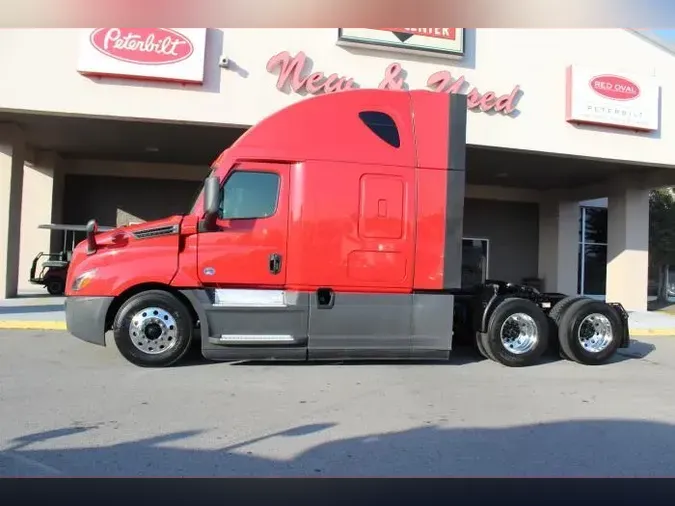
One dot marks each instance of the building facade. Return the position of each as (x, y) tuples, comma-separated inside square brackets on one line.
[(567, 132)]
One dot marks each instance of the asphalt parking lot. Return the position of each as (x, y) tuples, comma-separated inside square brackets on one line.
[(68, 408)]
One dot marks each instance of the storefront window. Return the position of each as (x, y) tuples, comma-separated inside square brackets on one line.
[(592, 275), (595, 225), (595, 269), (475, 258)]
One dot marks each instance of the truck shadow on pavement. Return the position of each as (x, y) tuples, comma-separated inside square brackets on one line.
[(637, 350), (574, 448)]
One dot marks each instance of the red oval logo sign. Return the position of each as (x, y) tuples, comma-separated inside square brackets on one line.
[(143, 46), (614, 87)]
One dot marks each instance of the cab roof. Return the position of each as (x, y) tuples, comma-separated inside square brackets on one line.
[(367, 126)]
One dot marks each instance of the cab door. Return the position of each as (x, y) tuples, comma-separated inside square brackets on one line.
[(242, 267), (248, 249)]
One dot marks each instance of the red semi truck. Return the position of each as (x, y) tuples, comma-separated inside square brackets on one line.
[(331, 230)]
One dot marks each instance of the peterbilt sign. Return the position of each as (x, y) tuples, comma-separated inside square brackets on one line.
[(614, 99), (165, 54)]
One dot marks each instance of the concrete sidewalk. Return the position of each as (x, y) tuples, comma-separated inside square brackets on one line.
[(33, 312), (651, 323), (43, 312)]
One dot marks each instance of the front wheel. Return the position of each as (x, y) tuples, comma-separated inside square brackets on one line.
[(55, 286), (517, 333), (153, 329)]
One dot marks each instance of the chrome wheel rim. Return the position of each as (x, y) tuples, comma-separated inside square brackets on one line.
[(519, 333), (153, 331), (595, 333)]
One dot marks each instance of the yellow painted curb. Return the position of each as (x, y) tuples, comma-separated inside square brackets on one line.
[(652, 332), (31, 325), (61, 325)]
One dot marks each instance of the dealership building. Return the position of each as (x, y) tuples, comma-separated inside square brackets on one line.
[(567, 132)]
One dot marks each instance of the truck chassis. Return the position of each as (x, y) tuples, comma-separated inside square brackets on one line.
[(515, 324), (511, 324)]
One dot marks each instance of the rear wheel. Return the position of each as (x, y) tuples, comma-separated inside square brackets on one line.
[(481, 347), (589, 332), (559, 308), (517, 333), (555, 314), (153, 329)]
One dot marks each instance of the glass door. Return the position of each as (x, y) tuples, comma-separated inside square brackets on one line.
[(592, 274)]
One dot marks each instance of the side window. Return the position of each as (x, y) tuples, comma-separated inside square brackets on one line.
[(382, 125), (249, 195)]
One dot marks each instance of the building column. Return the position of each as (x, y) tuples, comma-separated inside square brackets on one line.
[(42, 196), (559, 245), (58, 189), (628, 248), (12, 155)]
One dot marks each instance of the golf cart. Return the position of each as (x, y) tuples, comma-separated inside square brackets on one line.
[(54, 266)]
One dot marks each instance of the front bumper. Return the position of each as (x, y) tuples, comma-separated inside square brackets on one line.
[(85, 317)]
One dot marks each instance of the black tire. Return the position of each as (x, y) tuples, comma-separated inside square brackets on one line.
[(484, 340), (554, 316), (571, 323), (177, 336), (481, 347), (492, 341), (55, 286), (559, 308)]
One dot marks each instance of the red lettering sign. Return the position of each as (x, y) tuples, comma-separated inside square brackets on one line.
[(144, 46), (614, 87), (290, 71), (291, 74), (442, 82), (436, 33), (392, 79)]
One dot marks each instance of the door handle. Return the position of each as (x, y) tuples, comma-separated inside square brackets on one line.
[(275, 263)]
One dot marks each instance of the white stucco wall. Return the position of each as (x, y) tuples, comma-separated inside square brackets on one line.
[(39, 73)]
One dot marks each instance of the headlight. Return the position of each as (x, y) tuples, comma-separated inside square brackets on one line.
[(82, 280)]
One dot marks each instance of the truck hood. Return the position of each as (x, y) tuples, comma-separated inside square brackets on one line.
[(146, 251), (139, 231)]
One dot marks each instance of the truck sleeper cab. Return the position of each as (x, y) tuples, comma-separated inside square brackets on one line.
[(330, 230)]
